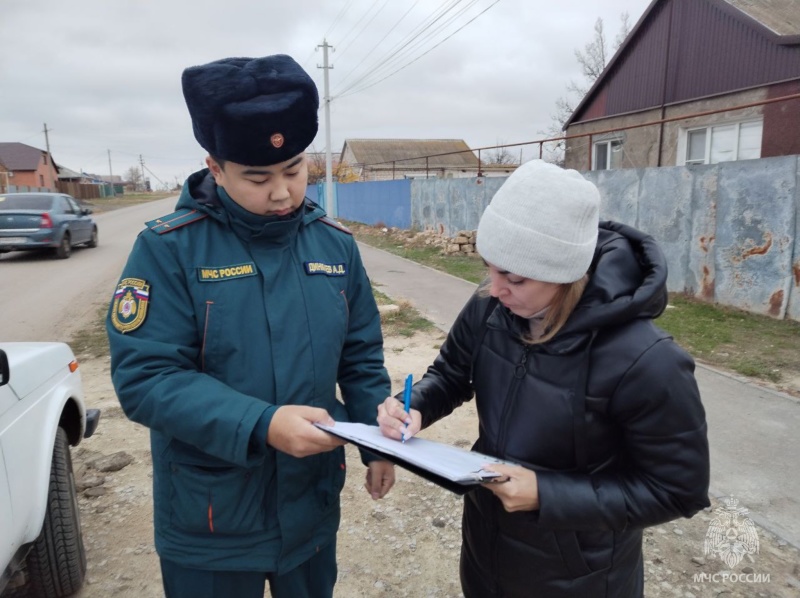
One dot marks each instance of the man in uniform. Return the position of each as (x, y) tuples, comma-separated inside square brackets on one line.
[(233, 321)]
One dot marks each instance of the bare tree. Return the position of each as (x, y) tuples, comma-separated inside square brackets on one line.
[(593, 60), (134, 176), (499, 156), (341, 171)]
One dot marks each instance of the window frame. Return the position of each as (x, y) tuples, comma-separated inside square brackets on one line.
[(609, 143), (685, 132)]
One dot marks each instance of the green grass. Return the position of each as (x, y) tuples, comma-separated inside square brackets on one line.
[(749, 344), (105, 204), (469, 268), (92, 341), (405, 321)]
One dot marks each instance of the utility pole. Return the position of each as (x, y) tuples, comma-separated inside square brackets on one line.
[(111, 175), (47, 139), (331, 202), (141, 163), (49, 155)]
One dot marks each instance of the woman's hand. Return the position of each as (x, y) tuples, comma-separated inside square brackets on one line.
[(392, 420), (380, 478), (517, 488)]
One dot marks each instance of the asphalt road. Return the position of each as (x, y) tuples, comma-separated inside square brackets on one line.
[(46, 299)]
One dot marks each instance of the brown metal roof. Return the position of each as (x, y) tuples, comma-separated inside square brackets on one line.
[(19, 157), (384, 151), (682, 50)]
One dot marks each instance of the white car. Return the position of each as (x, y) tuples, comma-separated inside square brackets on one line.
[(42, 413)]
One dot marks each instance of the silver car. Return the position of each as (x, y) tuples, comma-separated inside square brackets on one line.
[(55, 221)]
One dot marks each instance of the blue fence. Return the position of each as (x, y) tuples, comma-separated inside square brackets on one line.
[(375, 202)]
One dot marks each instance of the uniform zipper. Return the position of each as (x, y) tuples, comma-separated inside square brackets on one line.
[(205, 332)]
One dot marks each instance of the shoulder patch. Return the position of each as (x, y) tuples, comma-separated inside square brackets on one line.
[(332, 223), (177, 219), (129, 307)]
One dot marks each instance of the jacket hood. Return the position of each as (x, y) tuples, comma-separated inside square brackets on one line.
[(200, 193), (628, 280)]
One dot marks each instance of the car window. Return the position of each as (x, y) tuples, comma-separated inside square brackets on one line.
[(62, 206), (25, 202), (76, 209)]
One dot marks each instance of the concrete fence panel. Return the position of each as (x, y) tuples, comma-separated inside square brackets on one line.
[(730, 231), (755, 236), (451, 205)]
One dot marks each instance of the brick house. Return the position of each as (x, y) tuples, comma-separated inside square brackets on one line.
[(27, 168), (718, 80)]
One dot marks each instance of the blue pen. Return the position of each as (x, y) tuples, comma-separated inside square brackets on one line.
[(407, 398)]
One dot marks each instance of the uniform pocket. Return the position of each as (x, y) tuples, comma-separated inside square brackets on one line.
[(332, 476), (217, 500)]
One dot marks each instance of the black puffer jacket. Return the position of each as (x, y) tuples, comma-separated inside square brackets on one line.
[(607, 413)]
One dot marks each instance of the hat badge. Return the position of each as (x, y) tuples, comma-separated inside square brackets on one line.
[(276, 140)]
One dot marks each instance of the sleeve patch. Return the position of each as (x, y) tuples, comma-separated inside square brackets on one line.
[(129, 307)]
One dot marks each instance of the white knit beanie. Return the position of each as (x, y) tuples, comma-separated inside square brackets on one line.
[(541, 224)]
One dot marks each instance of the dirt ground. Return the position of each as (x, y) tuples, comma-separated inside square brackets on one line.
[(404, 545)]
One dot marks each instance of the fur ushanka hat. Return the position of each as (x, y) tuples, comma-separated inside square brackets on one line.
[(252, 111)]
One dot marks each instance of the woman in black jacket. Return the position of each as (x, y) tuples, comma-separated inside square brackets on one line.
[(575, 383)]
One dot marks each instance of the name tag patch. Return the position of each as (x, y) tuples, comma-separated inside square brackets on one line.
[(214, 274), (326, 269)]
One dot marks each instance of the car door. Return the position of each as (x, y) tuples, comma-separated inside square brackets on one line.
[(7, 400), (80, 223)]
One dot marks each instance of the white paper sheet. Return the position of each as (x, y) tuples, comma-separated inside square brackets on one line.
[(450, 462)]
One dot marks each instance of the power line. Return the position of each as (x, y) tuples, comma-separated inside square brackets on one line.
[(397, 50), (357, 23), (339, 16), (420, 56), (154, 176), (367, 24), (369, 52), (428, 36)]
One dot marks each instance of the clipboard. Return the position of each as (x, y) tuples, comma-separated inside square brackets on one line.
[(453, 468)]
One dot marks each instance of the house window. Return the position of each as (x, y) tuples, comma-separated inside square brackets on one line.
[(723, 143), (607, 154)]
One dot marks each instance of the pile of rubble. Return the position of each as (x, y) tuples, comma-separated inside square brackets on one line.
[(462, 243)]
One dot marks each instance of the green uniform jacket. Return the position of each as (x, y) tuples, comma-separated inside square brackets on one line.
[(215, 325)]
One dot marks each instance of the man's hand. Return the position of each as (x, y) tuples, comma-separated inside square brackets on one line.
[(392, 420), (517, 489), (380, 478), (292, 431)]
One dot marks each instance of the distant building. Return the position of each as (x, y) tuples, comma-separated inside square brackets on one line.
[(26, 168), (730, 59), (388, 159)]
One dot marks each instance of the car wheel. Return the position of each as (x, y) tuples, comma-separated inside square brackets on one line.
[(64, 249), (56, 565), (93, 241)]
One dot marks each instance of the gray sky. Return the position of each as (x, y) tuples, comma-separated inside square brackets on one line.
[(105, 74)]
